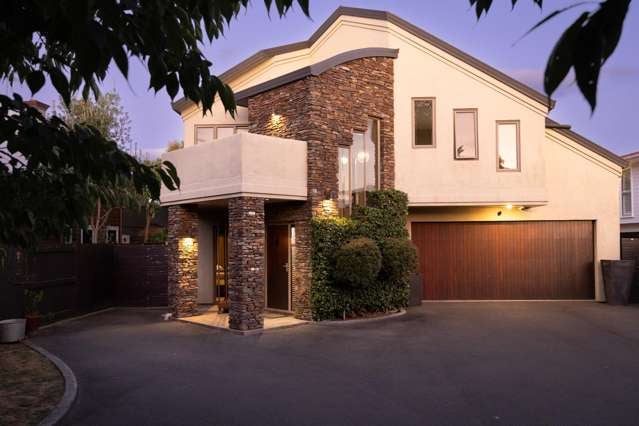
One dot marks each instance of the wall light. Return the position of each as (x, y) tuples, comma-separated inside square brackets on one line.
[(509, 206), (187, 243), (276, 118)]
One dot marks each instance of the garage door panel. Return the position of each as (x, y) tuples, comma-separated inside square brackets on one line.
[(506, 260)]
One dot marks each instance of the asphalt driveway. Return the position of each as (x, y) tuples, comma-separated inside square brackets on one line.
[(442, 363)]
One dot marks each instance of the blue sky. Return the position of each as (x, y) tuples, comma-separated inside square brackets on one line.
[(491, 39)]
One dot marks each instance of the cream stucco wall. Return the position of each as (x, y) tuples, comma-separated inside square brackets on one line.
[(244, 164), (580, 186)]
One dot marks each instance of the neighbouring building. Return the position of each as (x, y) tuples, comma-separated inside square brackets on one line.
[(504, 202), (630, 197)]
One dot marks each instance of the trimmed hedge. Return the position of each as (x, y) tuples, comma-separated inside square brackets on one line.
[(383, 220), (358, 262)]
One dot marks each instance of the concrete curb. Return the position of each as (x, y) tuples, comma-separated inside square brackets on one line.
[(70, 386), (340, 323)]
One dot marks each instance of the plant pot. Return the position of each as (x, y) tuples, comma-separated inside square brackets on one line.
[(617, 278), (33, 323), (12, 330)]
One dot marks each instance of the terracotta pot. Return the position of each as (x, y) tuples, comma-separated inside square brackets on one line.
[(33, 323), (617, 278)]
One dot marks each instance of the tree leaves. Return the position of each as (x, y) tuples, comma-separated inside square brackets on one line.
[(584, 46), (35, 81)]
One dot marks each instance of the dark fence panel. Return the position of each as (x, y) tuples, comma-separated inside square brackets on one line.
[(630, 251), (80, 279), (140, 275)]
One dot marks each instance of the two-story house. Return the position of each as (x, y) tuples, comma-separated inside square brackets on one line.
[(504, 203), (630, 197)]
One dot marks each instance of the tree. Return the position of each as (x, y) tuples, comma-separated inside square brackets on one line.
[(585, 46), (174, 145), (48, 169)]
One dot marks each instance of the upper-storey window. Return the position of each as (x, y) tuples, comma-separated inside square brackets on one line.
[(626, 193), (365, 162), (424, 122), (465, 134), (508, 158), (204, 134)]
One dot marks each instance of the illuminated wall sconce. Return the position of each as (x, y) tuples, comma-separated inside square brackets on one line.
[(187, 243), (276, 119), (509, 206)]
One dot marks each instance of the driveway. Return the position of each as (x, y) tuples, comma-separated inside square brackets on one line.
[(442, 363)]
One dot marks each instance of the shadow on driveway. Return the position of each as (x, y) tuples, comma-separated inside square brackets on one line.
[(442, 363)]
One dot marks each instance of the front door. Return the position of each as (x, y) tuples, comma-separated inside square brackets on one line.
[(278, 269)]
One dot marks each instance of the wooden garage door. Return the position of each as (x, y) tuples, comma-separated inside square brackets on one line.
[(506, 260)]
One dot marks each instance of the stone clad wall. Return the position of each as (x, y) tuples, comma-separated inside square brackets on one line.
[(246, 267), (323, 111), (182, 257)]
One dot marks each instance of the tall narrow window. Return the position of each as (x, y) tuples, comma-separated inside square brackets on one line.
[(344, 180), (364, 162), (204, 134), (626, 193), (508, 146), (465, 134), (424, 122)]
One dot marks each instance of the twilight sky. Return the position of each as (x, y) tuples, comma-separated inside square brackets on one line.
[(491, 40)]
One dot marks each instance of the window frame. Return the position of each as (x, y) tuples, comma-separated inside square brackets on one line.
[(117, 234), (628, 191), (518, 144), (215, 127), (434, 120), (346, 209), (475, 112)]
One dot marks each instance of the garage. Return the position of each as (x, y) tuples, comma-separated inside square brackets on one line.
[(506, 260)]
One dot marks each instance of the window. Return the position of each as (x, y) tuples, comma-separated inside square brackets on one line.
[(223, 132), (508, 146), (465, 134), (86, 236), (344, 181), (68, 235), (424, 122), (364, 163), (112, 234), (204, 134), (626, 193)]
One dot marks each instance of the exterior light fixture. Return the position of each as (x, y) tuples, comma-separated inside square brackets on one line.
[(509, 206), (187, 243), (276, 118)]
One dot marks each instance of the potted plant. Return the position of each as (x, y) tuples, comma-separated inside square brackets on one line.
[(617, 278), (32, 314)]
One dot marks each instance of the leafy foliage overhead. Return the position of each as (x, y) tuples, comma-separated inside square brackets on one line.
[(73, 43), (584, 46)]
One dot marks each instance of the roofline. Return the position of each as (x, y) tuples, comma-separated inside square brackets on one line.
[(263, 55), (241, 97), (564, 130), (630, 155)]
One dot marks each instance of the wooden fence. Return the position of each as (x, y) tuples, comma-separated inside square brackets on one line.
[(84, 278)]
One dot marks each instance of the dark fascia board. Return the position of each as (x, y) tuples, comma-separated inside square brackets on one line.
[(564, 129), (242, 97), (266, 54)]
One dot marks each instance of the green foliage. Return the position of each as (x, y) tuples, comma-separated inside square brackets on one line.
[(32, 300), (388, 210), (584, 46), (47, 166), (357, 263), (399, 259)]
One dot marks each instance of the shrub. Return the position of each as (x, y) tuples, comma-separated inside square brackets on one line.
[(357, 263), (399, 260), (384, 218)]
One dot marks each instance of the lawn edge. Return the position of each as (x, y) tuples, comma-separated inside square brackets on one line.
[(70, 386)]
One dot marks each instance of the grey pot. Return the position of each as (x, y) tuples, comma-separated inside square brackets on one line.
[(617, 278), (12, 330)]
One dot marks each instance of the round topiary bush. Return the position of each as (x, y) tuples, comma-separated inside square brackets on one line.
[(399, 260), (357, 263)]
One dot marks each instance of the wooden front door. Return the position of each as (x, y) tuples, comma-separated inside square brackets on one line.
[(278, 268), (506, 260)]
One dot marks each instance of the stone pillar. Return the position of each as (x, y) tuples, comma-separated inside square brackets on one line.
[(246, 263), (302, 271), (182, 260)]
